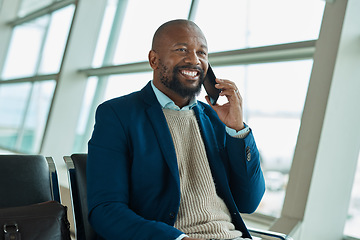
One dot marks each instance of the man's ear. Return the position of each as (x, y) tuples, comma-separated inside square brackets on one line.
[(153, 59)]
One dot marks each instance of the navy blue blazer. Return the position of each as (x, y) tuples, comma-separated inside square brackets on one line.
[(132, 174)]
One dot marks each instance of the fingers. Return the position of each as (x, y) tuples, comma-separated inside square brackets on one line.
[(230, 113), (228, 89)]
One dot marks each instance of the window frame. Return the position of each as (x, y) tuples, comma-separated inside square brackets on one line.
[(47, 10)]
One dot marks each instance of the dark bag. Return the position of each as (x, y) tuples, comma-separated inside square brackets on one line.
[(42, 221)]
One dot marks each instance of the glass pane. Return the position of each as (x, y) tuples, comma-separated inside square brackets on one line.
[(24, 108), (283, 21), (36, 117), (119, 85), (25, 46), (353, 222), (224, 23), (104, 33), (56, 39), (274, 96), (28, 6), (137, 30), (13, 102), (278, 88), (86, 115), (249, 23)]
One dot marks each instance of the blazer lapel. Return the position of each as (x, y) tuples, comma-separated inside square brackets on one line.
[(161, 130)]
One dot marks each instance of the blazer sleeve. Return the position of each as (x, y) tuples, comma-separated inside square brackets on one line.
[(246, 179), (108, 169)]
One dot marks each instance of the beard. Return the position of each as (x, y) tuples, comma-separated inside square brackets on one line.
[(176, 85)]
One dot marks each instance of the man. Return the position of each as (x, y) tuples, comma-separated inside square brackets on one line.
[(162, 165)]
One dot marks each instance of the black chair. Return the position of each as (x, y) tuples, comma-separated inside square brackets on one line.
[(27, 179), (76, 165)]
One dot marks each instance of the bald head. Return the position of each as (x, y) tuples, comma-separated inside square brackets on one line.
[(170, 26)]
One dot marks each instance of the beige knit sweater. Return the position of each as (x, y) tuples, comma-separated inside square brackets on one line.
[(202, 214)]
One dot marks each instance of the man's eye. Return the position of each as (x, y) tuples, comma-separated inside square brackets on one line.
[(181, 50), (202, 53)]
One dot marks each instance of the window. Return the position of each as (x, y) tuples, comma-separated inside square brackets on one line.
[(135, 37), (24, 108), (36, 49), (353, 221), (38, 46), (119, 85), (28, 6), (236, 24), (27, 38), (274, 91), (13, 113)]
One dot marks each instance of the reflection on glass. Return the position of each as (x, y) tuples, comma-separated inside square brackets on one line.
[(38, 46), (86, 116), (23, 56), (24, 109), (137, 30), (13, 102), (353, 222), (236, 24), (28, 6), (37, 115), (56, 39), (104, 34)]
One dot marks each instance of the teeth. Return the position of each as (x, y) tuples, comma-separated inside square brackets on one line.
[(189, 73)]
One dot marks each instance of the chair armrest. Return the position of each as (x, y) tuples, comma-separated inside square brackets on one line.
[(54, 179)]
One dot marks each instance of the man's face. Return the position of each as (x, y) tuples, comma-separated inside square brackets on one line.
[(179, 80), (182, 60)]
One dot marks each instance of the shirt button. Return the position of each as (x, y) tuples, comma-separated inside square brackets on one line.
[(172, 215)]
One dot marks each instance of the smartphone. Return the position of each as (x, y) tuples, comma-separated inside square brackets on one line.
[(209, 85)]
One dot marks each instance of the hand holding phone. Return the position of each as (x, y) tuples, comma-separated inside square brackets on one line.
[(209, 85), (231, 113)]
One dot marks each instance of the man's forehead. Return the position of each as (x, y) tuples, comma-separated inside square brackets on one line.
[(178, 32), (183, 34)]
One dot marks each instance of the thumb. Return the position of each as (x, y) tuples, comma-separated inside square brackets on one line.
[(209, 102)]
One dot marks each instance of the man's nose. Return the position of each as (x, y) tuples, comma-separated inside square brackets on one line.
[(192, 58)]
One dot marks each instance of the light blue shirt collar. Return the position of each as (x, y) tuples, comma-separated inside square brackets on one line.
[(167, 103)]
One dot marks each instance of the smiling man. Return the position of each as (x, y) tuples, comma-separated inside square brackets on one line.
[(179, 62), (162, 165)]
